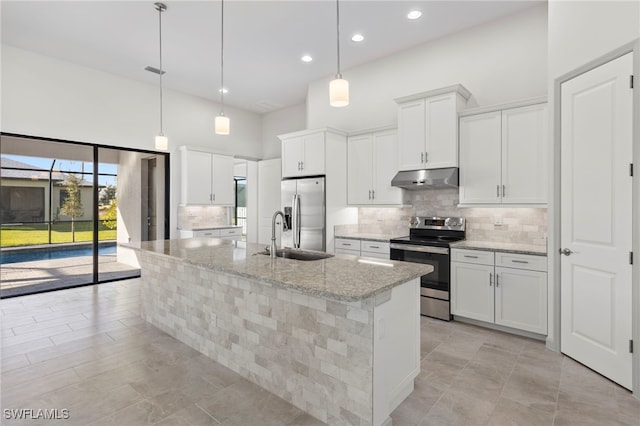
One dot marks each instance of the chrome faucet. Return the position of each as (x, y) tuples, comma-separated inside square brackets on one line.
[(273, 248)]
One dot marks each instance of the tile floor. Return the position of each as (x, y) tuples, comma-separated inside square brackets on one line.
[(86, 350)]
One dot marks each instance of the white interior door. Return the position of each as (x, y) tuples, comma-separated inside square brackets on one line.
[(596, 150)]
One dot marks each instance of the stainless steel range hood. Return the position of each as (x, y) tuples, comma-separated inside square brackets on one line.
[(427, 179)]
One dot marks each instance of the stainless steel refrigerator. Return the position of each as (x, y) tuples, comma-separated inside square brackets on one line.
[(303, 204)]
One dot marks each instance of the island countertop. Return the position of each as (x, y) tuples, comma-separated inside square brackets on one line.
[(342, 277)]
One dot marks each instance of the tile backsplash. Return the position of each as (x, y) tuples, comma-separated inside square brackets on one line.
[(202, 216), (519, 225)]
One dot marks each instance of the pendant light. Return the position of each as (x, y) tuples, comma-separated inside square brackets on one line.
[(222, 121), (162, 142), (338, 87)]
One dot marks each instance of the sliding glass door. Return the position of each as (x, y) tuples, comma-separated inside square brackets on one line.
[(67, 208)]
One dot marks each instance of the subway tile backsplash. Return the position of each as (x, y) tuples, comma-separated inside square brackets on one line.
[(519, 225), (190, 217)]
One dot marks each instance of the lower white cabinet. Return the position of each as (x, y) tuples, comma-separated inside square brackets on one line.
[(224, 233), (366, 248), (507, 289)]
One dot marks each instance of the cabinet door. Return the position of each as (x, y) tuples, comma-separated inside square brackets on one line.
[(524, 155), (411, 135), (441, 131), (472, 291), (521, 299), (359, 169), (196, 178), (313, 155), (385, 167), (480, 151), (292, 154), (222, 184)]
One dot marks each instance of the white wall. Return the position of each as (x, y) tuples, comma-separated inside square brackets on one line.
[(498, 62), (580, 32), (279, 122), (42, 96)]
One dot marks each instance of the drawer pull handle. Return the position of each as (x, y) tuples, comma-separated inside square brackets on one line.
[(346, 244), (471, 257), (374, 247), (519, 261)]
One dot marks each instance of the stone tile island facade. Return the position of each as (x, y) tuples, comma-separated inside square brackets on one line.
[(344, 352)]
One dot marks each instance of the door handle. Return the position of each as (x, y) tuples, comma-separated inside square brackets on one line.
[(565, 251)]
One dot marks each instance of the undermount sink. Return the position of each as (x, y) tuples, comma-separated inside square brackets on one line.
[(289, 253)]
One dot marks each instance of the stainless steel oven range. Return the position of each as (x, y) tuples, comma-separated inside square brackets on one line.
[(428, 242)]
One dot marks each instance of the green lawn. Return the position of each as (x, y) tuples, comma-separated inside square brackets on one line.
[(33, 234)]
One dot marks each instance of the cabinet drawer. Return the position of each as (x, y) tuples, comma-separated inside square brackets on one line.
[(343, 243), (206, 233), (472, 256), (521, 261), (347, 251), (230, 232), (375, 247)]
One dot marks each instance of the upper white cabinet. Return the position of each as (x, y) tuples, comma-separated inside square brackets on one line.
[(207, 179), (303, 154), (371, 164), (503, 155), (428, 128)]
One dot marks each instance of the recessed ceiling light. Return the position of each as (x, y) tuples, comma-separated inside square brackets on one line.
[(223, 90), (357, 38), (306, 58), (414, 14)]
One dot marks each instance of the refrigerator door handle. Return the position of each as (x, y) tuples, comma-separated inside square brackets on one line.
[(295, 220)]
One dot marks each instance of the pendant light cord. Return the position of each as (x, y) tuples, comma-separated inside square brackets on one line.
[(222, 57), (339, 75), (160, 9)]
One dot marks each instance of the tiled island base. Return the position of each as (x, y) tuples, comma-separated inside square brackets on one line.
[(342, 362)]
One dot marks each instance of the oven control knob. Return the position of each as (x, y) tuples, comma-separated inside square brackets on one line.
[(414, 221)]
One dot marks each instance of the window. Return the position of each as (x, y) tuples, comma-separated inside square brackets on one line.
[(240, 210), (21, 204)]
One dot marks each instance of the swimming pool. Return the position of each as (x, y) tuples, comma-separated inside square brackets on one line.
[(27, 255)]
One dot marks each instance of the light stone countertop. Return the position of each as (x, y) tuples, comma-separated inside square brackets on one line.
[(367, 236), (342, 277), (207, 228), (502, 247)]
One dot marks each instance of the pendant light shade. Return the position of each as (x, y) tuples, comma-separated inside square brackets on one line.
[(222, 121), (222, 125), (162, 142), (339, 92), (339, 87)]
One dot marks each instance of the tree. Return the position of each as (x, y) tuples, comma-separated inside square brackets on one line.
[(107, 195), (110, 219), (72, 205)]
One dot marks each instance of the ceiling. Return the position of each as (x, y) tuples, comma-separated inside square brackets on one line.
[(264, 40)]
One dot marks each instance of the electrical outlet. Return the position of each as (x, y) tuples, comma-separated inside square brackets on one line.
[(497, 220)]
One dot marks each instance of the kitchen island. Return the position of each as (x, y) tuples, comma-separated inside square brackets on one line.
[(339, 337)]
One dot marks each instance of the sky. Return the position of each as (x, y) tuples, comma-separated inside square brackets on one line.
[(70, 165)]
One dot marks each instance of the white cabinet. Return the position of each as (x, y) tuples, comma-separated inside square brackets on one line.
[(428, 128), (224, 233), (371, 165), (503, 156), (510, 290), (303, 155), (207, 179), (365, 248)]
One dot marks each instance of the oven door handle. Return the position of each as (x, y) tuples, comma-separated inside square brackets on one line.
[(421, 249)]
